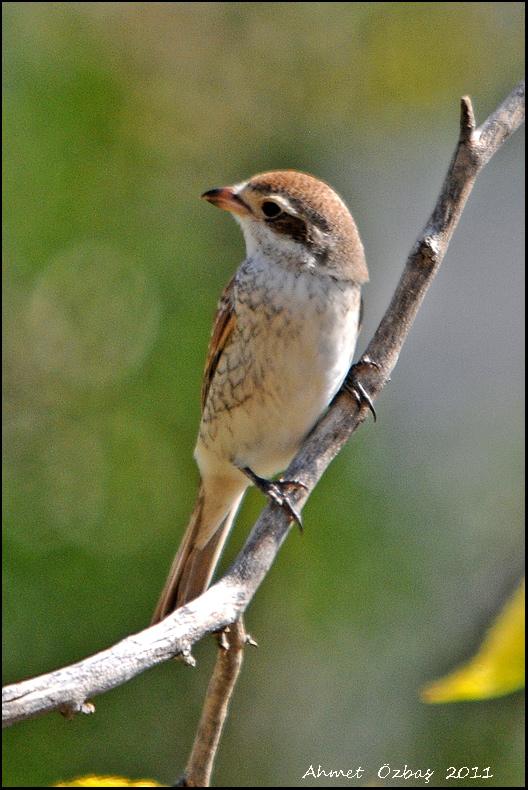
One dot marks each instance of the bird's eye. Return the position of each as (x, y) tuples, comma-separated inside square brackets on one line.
[(271, 209)]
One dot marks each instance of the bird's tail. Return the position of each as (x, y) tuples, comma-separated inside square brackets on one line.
[(196, 559)]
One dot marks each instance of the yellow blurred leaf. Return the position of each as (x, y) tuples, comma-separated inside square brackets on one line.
[(107, 781), (497, 668)]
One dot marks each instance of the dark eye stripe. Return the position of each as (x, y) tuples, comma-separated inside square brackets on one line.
[(294, 227)]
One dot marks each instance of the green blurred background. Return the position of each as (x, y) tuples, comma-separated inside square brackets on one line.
[(117, 116)]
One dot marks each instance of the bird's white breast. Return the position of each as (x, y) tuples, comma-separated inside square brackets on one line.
[(292, 348)]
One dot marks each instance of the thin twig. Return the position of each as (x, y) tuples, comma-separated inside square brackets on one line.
[(232, 642), (68, 689)]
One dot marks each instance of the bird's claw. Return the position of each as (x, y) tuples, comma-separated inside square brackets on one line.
[(276, 492), (356, 389)]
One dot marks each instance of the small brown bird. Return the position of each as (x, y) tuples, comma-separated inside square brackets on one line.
[(282, 343)]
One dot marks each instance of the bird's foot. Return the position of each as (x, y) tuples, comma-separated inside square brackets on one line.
[(277, 491), (356, 389)]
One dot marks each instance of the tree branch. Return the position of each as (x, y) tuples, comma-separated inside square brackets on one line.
[(227, 668), (68, 689)]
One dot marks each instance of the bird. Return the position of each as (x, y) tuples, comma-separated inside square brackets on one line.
[(282, 343)]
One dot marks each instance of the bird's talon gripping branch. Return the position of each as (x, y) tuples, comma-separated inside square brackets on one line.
[(276, 491), (356, 389), (361, 396), (366, 360), (293, 483)]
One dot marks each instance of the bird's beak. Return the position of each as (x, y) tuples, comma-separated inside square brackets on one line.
[(227, 198)]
